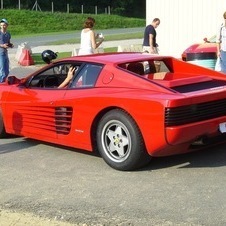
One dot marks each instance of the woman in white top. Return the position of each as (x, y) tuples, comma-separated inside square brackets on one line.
[(88, 38)]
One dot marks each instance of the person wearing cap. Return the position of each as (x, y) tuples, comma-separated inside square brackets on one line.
[(4, 45)]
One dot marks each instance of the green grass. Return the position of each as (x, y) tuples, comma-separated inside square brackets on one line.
[(28, 22), (38, 59)]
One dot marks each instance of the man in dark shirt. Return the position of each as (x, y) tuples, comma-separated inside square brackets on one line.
[(149, 42)]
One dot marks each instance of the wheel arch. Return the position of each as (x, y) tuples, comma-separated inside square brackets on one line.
[(97, 119)]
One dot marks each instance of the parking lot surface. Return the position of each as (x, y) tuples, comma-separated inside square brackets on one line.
[(68, 186)]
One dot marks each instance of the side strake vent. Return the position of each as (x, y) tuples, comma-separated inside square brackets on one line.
[(63, 118), (195, 113)]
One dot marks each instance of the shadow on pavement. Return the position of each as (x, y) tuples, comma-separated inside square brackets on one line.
[(16, 146), (209, 157)]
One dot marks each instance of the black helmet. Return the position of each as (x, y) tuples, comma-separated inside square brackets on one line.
[(48, 56)]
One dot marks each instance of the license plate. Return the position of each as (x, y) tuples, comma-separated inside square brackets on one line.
[(222, 127)]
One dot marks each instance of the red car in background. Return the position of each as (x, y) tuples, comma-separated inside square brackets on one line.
[(203, 54)]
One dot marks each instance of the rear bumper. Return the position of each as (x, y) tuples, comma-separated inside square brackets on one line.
[(194, 131)]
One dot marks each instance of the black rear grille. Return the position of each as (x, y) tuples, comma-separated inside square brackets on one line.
[(195, 113)]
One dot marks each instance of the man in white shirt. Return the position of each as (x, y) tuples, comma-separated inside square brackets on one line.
[(221, 44)]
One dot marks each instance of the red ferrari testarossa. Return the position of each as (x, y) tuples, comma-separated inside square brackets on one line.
[(119, 104)]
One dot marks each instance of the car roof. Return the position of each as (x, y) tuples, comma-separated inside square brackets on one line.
[(115, 58)]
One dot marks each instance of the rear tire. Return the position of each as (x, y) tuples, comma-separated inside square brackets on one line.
[(120, 142)]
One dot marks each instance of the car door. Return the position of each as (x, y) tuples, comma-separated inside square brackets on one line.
[(80, 96), (36, 109)]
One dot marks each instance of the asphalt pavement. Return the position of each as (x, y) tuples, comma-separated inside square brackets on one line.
[(40, 40), (56, 182), (22, 71)]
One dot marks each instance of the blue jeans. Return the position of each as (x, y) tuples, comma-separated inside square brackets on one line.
[(4, 66), (223, 61)]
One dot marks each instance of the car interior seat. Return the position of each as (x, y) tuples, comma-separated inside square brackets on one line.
[(137, 68), (152, 68)]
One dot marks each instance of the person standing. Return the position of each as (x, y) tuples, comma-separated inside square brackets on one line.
[(89, 40), (149, 42), (221, 45), (4, 45)]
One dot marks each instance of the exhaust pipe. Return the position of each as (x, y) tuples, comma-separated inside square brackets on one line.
[(200, 141)]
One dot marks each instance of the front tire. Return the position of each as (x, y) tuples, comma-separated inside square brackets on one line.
[(120, 142), (2, 126)]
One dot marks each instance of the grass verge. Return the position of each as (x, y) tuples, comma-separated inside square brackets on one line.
[(38, 59)]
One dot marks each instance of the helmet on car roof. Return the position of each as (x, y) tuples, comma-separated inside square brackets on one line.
[(48, 56)]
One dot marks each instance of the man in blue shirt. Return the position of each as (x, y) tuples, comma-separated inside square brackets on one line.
[(149, 42), (4, 45)]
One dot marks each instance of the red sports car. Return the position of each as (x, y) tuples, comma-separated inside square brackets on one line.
[(117, 104), (203, 54)]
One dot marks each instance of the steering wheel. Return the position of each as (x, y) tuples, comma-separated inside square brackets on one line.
[(50, 81)]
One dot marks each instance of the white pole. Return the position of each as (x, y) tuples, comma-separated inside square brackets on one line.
[(52, 7), (95, 9), (19, 4), (82, 9), (68, 8), (109, 10), (1, 4)]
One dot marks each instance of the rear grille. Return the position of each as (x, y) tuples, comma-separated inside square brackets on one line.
[(195, 113), (63, 118)]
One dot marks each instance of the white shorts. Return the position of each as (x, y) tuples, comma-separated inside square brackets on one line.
[(146, 49)]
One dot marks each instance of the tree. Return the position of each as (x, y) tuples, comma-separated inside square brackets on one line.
[(129, 8)]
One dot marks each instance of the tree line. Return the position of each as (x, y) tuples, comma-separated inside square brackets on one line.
[(128, 8)]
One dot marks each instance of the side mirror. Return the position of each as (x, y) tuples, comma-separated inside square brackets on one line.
[(13, 80)]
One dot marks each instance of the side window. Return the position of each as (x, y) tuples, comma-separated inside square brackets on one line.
[(157, 70), (51, 77), (87, 77)]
